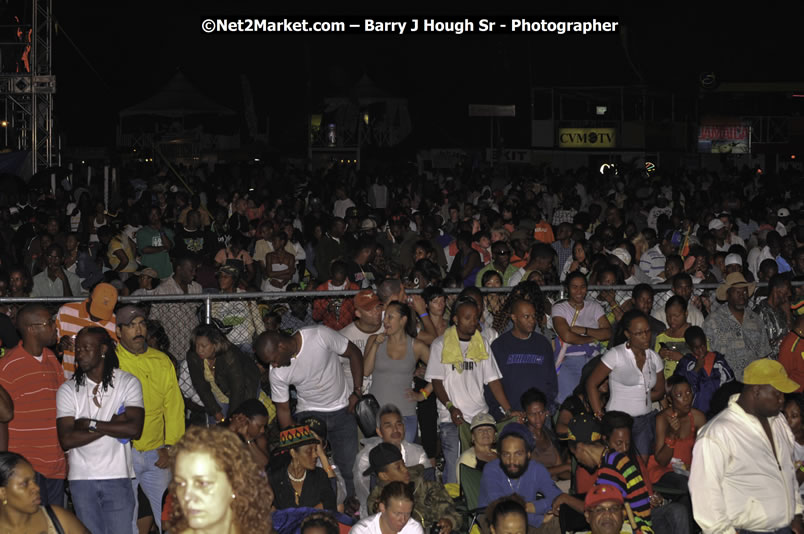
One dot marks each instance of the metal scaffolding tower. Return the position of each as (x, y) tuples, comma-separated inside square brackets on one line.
[(27, 94)]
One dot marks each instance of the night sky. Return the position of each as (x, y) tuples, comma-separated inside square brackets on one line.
[(137, 49)]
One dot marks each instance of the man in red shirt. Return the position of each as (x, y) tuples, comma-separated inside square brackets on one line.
[(32, 375)]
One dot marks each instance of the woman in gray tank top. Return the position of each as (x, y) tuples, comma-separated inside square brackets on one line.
[(390, 359)]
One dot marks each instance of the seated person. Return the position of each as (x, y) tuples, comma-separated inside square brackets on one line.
[(586, 443), (515, 472), (482, 451), (546, 449), (295, 479), (431, 502), (676, 427), (705, 371), (390, 429), (507, 515), (248, 421), (604, 510)]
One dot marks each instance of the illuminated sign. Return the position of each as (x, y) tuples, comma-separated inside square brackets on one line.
[(586, 138), (724, 139)]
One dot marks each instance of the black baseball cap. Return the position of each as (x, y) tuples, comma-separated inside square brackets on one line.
[(382, 455)]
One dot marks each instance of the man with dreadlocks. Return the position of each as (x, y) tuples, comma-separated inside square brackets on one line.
[(99, 410)]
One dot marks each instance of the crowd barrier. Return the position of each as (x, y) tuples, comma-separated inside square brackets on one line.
[(179, 314)]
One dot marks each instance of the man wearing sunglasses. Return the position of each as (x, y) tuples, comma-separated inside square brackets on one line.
[(500, 262), (32, 375)]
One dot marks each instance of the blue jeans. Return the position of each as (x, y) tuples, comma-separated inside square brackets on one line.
[(642, 433), (450, 445), (411, 427), (51, 490), (569, 376), (154, 482), (342, 436), (104, 506)]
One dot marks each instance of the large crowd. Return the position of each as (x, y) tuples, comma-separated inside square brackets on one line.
[(396, 405)]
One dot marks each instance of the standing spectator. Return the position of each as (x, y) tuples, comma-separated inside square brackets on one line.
[(775, 311), (390, 359), (581, 326), (308, 360), (735, 331), (329, 248), (178, 318), (153, 243), (32, 375), (97, 310), (525, 359), (164, 406), (742, 476), (99, 411), (461, 363), (335, 312), (636, 379), (368, 321), (55, 280)]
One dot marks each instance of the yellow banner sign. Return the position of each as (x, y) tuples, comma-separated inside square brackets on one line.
[(586, 138)]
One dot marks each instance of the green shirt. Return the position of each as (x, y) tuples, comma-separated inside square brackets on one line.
[(160, 262)]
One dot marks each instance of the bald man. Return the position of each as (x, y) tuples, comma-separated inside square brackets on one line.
[(32, 376), (309, 360), (525, 359)]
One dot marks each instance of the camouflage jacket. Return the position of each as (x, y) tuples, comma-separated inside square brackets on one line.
[(432, 502)]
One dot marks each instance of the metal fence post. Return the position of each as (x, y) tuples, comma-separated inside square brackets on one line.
[(207, 310)]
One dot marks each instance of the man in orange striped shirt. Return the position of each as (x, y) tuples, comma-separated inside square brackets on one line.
[(97, 310), (32, 375)]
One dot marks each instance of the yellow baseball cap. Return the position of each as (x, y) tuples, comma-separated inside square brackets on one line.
[(768, 372)]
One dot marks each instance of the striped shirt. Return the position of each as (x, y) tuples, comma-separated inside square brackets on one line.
[(70, 319), (32, 386), (617, 469)]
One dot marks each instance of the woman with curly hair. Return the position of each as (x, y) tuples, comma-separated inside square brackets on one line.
[(216, 485)]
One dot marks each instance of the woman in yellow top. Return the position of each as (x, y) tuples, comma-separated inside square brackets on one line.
[(670, 344)]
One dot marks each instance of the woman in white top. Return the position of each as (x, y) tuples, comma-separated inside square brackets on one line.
[(636, 379), (396, 506)]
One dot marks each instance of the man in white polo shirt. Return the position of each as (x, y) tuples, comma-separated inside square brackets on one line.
[(310, 361), (99, 410)]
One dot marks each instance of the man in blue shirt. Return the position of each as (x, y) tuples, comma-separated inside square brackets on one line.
[(525, 359), (515, 472)]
